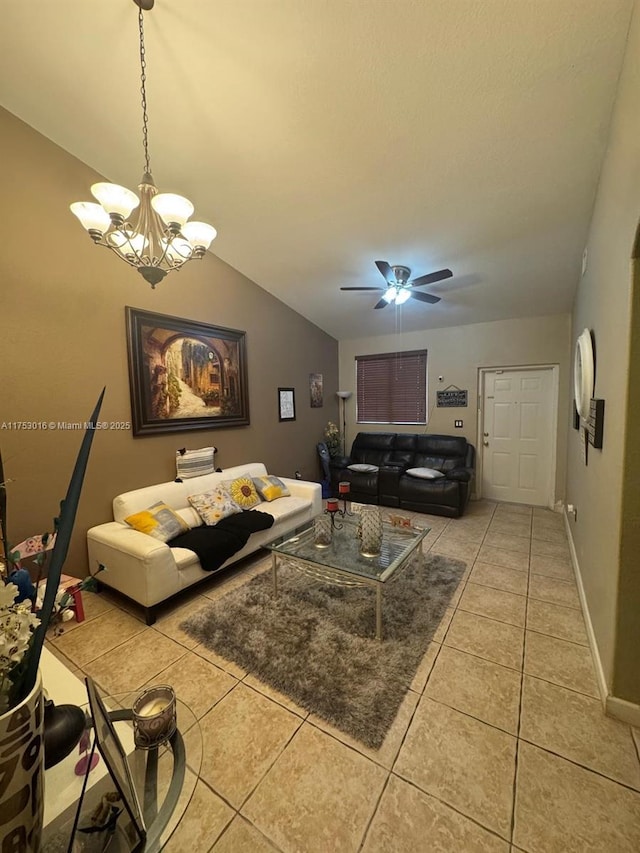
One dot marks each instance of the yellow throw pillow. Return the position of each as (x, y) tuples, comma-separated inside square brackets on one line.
[(243, 492), (269, 488), (159, 521)]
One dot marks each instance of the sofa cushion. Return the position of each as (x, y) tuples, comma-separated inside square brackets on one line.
[(363, 468), (287, 507), (269, 488), (159, 521), (190, 517), (243, 492), (425, 473), (214, 505)]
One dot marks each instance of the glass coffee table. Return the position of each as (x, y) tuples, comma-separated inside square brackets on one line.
[(342, 563)]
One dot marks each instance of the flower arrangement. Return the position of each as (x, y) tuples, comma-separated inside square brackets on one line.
[(22, 632), (332, 439), (17, 624)]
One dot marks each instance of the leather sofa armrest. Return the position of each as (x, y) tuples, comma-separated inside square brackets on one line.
[(339, 461), (461, 475)]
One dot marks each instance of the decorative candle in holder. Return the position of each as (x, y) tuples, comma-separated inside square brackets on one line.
[(333, 509), (344, 488), (322, 531), (154, 716)]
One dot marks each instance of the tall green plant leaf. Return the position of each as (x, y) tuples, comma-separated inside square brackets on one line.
[(59, 554)]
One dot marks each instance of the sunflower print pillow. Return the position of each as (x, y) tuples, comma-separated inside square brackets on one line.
[(243, 492)]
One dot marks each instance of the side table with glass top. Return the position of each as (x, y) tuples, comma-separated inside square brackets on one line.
[(164, 778), (342, 562)]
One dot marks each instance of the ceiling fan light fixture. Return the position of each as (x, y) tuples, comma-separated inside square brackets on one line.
[(402, 296), (159, 239), (389, 295)]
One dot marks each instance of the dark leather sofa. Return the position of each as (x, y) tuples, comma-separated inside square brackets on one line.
[(393, 454)]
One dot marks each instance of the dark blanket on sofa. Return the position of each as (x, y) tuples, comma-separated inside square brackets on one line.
[(215, 545)]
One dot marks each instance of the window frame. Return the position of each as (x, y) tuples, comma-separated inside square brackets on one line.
[(383, 406)]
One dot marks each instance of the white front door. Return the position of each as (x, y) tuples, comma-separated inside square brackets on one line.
[(518, 435)]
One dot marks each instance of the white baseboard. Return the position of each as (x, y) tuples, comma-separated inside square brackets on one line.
[(593, 644), (628, 712)]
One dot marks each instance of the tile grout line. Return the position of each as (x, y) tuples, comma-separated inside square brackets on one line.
[(514, 797), (375, 809), (450, 806)]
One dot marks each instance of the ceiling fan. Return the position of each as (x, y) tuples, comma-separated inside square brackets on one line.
[(400, 285)]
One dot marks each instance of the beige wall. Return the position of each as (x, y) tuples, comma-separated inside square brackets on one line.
[(457, 354), (604, 527), (62, 315)]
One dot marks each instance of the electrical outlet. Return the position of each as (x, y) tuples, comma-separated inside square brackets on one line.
[(457, 424)]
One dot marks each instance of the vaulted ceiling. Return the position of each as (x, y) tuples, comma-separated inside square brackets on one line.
[(321, 135)]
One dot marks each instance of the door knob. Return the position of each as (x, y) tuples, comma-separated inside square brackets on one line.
[(486, 443), (485, 434)]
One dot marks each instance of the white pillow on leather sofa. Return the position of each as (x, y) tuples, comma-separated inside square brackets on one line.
[(425, 473)]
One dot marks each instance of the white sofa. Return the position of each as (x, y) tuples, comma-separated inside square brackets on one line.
[(149, 571)]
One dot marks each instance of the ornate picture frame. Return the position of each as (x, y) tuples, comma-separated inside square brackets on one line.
[(184, 374), (286, 404)]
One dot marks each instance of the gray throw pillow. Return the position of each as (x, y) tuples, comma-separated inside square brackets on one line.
[(362, 468)]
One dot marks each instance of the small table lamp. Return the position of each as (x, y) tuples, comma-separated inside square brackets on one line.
[(344, 396)]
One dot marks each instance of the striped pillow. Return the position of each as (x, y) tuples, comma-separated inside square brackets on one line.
[(194, 463)]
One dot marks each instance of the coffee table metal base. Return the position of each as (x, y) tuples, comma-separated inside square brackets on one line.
[(337, 577)]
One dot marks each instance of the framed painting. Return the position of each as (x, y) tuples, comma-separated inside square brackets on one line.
[(315, 390), (184, 374), (286, 404)]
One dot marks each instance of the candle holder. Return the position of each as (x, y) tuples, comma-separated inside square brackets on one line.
[(154, 716), (332, 510), (343, 494)]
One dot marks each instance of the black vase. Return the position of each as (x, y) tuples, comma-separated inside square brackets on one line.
[(63, 728)]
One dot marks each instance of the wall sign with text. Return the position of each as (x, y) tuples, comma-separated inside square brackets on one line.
[(451, 399)]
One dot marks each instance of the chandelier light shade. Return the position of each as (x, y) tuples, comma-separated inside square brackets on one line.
[(152, 231)]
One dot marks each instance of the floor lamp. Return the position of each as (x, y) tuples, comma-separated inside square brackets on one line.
[(344, 396)]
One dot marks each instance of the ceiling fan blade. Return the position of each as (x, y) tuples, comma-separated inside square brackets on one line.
[(424, 297), (362, 288), (430, 278), (387, 272), (381, 304)]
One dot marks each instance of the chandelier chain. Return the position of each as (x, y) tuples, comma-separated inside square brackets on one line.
[(143, 91)]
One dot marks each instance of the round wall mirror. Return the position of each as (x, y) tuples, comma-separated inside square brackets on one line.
[(583, 373)]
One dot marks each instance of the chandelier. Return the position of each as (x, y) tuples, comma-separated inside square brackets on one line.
[(160, 239)]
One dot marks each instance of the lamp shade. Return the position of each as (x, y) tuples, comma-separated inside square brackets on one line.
[(402, 296), (115, 199), (199, 234), (172, 208), (92, 216), (344, 395), (389, 295)]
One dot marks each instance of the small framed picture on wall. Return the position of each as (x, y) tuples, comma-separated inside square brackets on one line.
[(286, 404)]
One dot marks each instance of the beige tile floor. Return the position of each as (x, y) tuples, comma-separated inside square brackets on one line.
[(500, 744)]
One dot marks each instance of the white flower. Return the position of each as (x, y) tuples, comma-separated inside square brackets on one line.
[(8, 594), (17, 624)]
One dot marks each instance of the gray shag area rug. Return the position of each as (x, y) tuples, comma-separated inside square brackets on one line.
[(316, 642)]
